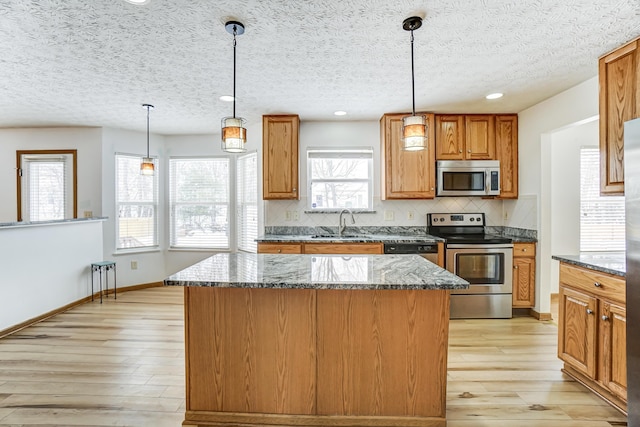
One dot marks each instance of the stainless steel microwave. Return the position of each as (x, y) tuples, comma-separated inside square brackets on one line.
[(468, 178)]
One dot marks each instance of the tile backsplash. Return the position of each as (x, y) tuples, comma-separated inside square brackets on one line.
[(521, 213)]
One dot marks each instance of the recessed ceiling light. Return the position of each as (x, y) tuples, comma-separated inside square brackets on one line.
[(494, 95), (340, 113), (226, 98), (138, 2)]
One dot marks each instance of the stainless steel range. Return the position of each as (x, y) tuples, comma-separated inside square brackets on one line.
[(484, 260)]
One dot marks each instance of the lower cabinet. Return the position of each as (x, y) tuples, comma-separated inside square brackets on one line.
[(592, 331), (524, 275), (320, 248)]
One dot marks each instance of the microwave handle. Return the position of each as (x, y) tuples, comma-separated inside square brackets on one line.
[(487, 181)]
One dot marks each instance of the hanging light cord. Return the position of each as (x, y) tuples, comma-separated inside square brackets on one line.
[(148, 108), (235, 31), (413, 83)]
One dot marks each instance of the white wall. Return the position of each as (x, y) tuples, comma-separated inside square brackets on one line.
[(45, 267), (565, 190), (535, 128), (367, 134), (85, 140)]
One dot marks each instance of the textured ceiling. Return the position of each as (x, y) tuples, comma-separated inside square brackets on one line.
[(92, 63)]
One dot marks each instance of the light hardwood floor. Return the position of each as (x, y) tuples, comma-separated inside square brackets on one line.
[(122, 363)]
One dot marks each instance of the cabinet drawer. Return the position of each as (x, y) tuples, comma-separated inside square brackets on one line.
[(279, 248), (524, 249), (599, 284)]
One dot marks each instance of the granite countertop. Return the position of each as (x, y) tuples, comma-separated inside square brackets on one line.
[(18, 224), (244, 270), (606, 262), (358, 238)]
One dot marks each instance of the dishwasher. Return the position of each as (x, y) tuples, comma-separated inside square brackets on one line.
[(426, 250)]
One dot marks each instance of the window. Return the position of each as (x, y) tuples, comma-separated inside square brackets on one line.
[(340, 178), (46, 185), (247, 202), (137, 204), (199, 202), (602, 225)]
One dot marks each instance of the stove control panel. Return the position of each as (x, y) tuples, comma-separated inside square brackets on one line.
[(455, 219)]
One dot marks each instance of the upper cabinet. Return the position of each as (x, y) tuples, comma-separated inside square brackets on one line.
[(619, 73), (406, 174), (507, 153), (280, 157), (465, 137)]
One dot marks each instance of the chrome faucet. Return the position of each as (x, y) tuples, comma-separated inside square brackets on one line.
[(342, 224)]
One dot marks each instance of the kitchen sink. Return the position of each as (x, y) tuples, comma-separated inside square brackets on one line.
[(335, 236)]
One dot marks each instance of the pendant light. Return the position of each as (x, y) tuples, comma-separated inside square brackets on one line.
[(414, 128), (234, 134), (146, 167)]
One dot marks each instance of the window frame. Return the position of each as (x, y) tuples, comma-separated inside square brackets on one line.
[(341, 152), (230, 206), (20, 169), (155, 205)]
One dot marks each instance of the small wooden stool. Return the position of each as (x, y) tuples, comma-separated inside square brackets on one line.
[(104, 266)]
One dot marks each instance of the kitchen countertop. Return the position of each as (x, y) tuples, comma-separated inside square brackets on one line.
[(244, 270), (605, 262), (359, 238)]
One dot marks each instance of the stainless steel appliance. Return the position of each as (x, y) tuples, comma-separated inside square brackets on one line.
[(468, 178), (484, 260), (426, 250), (632, 219)]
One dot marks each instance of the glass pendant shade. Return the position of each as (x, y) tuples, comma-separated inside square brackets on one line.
[(414, 133), (146, 167), (234, 134)]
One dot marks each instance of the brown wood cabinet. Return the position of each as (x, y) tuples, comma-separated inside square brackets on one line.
[(507, 153), (406, 174), (619, 75), (592, 331), (465, 137), (320, 248), (280, 157), (524, 275)]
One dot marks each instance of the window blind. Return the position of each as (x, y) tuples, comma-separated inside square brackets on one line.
[(247, 202), (137, 204), (199, 202), (340, 178), (602, 218), (47, 195)]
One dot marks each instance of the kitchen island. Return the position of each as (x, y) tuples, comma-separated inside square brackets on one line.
[(316, 340)]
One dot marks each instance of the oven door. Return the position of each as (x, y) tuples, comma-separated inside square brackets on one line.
[(487, 268)]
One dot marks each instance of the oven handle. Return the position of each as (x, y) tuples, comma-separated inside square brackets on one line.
[(480, 246)]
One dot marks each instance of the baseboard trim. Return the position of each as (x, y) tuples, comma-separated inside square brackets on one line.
[(540, 316), (15, 328)]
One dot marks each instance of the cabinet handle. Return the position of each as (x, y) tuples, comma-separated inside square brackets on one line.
[(294, 190), (597, 284), (468, 151), (605, 317), (524, 249), (515, 267), (279, 250), (589, 311), (459, 151)]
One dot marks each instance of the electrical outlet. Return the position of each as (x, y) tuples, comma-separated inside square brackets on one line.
[(88, 214), (134, 265), (294, 215), (388, 215), (287, 216), (410, 215)]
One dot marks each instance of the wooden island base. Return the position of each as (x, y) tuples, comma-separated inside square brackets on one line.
[(315, 357)]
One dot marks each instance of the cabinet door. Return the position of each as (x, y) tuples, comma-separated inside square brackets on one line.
[(577, 330), (280, 157), (406, 174), (619, 74), (343, 248), (450, 137), (507, 153), (524, 271), (613, 351), (480, 138)]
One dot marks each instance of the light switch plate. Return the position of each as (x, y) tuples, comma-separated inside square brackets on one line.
[(388, 215)]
